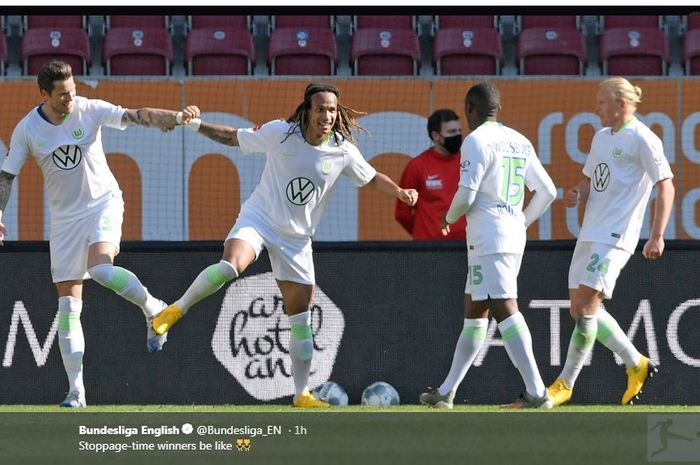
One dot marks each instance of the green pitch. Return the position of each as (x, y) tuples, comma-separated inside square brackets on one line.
[(404, 435), (352, 408)]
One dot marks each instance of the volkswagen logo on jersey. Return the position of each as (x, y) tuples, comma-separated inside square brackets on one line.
[(601, 177), (67, 157), (300, 191)]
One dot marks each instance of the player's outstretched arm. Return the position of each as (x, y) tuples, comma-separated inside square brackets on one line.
[(385, 184), (5, 188), (151, 118), (189, 116)]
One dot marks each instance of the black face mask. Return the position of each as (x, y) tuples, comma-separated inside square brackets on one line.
[(453, 143)]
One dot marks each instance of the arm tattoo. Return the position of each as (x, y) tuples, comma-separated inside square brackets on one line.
[(150, 117), (5, 187), (223, 134)]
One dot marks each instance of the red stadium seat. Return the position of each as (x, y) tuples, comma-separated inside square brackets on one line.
[(385, 52), (384, 22), (40, 45), (634, 51), (461, 51), (218, 21), (691, 52), (3, 54), (219, 51), (142, 51), (551, 51), (558, 21), (630, 21), (692, 22), (297, 21), (298, 51), (144, 21), (53, 21), (466, 22)]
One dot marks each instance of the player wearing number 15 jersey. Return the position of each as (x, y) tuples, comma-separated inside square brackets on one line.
[(497, 164)]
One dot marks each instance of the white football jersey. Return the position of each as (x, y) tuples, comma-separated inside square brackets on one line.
[(298, 178), (77, 178), (623, 167), (498, 163)]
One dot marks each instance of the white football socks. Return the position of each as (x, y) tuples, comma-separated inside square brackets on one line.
[(468, 345), (126, 284), (209, 280), (71, 342), (614, 338), (580, 345), (518, 342), (301, 350)]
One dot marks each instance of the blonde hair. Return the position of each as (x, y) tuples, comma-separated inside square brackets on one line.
[(621, 89)]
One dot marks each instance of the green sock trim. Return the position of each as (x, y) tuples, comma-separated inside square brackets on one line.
[(605, 329), (121, 277), (474, 332), (215, 276), (301, 332), (68, 321), (582, 339), (514, 331)]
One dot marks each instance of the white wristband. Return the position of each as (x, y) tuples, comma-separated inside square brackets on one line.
[(193, 124)]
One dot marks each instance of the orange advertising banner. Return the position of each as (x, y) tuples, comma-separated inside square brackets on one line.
[(182, 186)]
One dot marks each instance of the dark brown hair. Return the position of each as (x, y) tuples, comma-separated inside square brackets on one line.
[(51, 72), (344, 123)]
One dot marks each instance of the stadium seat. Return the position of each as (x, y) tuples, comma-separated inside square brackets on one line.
[(43, 44), (218, 21), (297, 21), (692, 22), (630, 21), (298, 51), (558, 21), (384, 22), (634, 51), (385, 52), (462, 51), (551, 51), (219, 51), (3, 54), (144, 21), (691, 52), (466, 22), (142, 51), (54, 21)]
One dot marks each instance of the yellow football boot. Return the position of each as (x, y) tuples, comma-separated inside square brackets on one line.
[(636, 378), (559, 392), (307, 400), (166, 319)]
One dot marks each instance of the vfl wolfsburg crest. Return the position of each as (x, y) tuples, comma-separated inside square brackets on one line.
[(617, 153), (326, 167), (78, 133)]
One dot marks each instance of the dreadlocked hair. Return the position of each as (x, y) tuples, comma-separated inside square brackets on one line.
[(345, 122)]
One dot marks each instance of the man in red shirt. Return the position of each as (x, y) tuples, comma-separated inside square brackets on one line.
[(435, 175)]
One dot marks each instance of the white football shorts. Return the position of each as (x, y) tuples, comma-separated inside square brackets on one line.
[(69, 242), (291, 256), (597, 266), (493, 276)]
